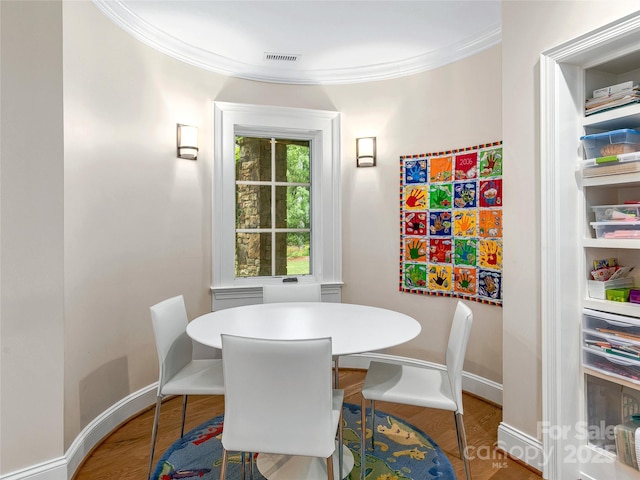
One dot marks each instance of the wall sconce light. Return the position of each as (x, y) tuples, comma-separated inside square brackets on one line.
[(187, 142), (366, 152)]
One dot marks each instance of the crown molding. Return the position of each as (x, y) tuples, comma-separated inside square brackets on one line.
[(158, 39)]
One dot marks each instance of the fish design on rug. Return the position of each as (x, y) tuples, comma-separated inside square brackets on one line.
[(213, 432), (169, 473), (378, 469), (414, 453), (401, 434)]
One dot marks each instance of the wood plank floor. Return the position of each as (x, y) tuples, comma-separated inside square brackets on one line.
[(125, 453)]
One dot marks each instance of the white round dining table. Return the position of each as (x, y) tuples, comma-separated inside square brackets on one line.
[(352, 328)]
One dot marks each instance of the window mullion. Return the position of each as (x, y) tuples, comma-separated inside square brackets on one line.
[(273, 207)]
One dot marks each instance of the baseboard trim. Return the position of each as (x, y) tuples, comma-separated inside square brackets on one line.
[(106, 422), (63, 468), (55, 469), (474, 384), (521, 446)]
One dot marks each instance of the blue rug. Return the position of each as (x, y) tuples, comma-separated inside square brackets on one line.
[(401, 452)]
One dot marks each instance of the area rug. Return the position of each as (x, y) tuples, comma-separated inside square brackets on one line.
[(402, 452)]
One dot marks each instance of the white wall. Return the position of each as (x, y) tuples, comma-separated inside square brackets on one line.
[(137, 220), (529, 28), (31, 241), (451, 107)]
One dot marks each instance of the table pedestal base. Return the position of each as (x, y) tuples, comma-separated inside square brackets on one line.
[(287, 467)]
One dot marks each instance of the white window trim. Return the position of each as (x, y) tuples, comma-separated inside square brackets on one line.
[(323, 127)]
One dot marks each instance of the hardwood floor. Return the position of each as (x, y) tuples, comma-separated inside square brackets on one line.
[(125, 453)]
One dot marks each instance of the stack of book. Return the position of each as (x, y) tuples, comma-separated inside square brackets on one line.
[(612, 97), (613, 168), (622, 349)]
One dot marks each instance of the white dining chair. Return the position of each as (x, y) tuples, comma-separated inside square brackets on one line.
[(423, 385), (279, 400), (180, 373), (302, 292), (305, 292)]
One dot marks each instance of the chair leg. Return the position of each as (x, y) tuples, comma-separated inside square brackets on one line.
[(363, 442), (462, 444), (154, 433), (373, 424), (340, 446), (223, 465), (184, 414), (243, 461), (330, 468)]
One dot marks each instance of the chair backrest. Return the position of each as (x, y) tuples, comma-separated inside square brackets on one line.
[(278, 396), (457, 348), (175, 349), (308, 292)]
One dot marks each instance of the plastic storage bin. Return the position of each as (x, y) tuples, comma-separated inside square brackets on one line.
[(618, 294), (621, 230), (608, 325), (598, 289), (603, 408), (613, 365), (615, 142), (618, 213), (608, 343)]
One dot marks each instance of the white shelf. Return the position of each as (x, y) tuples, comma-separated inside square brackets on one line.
[(619, 308), (620, 180), (611, 243), (623, 117), (626, 382), (614, 377)]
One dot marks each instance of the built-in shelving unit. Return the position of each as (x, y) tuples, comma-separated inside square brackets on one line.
[(587, 390), (611, 379)]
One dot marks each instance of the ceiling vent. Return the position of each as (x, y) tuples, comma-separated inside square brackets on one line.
[(281, 57)]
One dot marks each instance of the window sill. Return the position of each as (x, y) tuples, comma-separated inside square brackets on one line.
[(227, 297)]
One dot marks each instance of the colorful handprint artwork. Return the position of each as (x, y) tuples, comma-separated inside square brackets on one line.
[(415, 275), (415, 249), (491, 193), (465, 251), (451, 223), (440, 250), (466, 166), (440, 196), (440, 223), (440, 277), (464, 223), (465, 280), (415, 171), (491, 163), (415, 198), (415, 223), (490, 253), (490, 224), (440, 169), (490, 284), (464, 195)]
